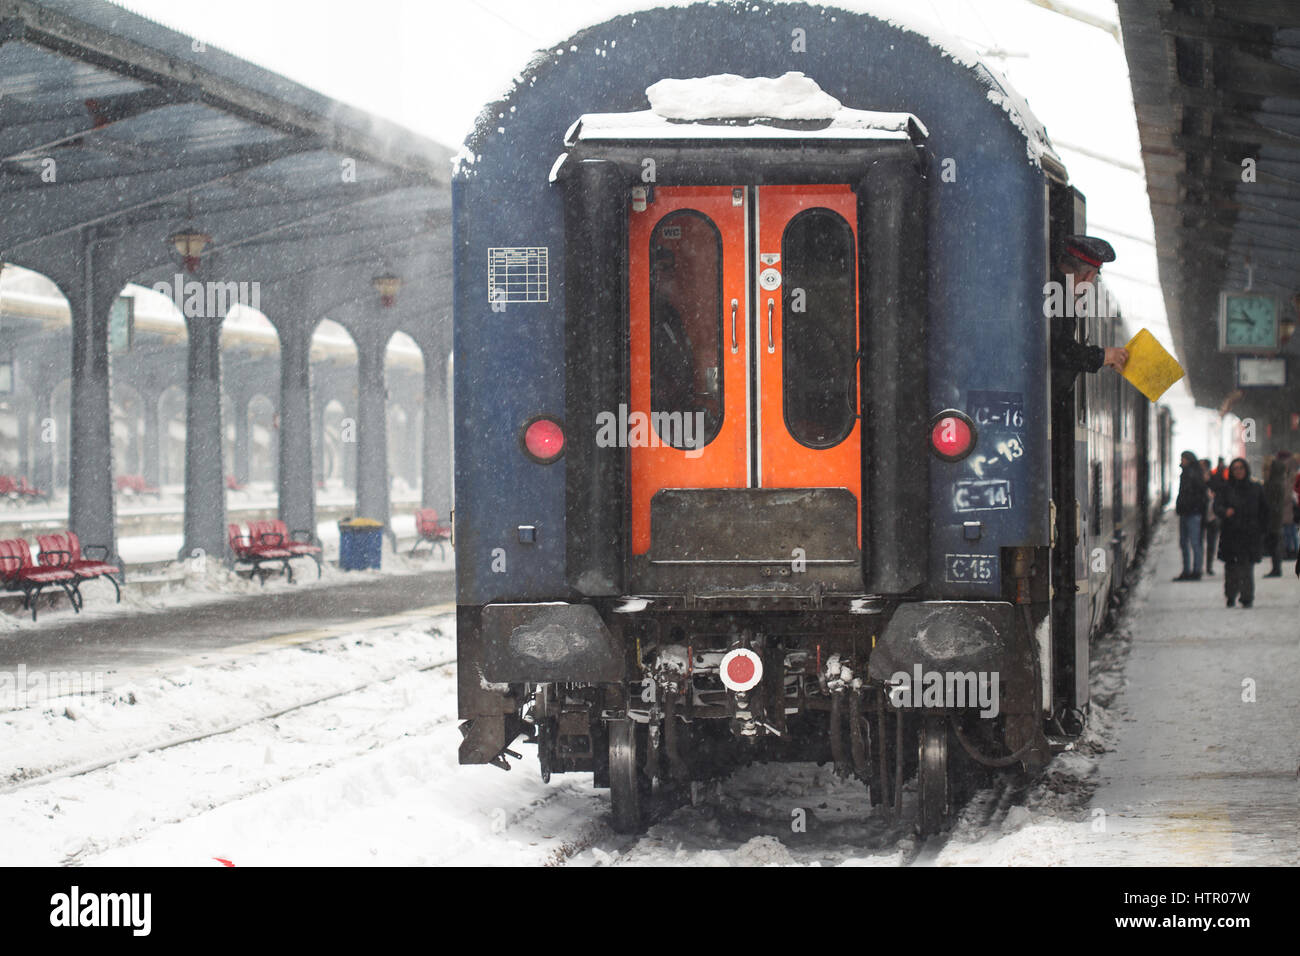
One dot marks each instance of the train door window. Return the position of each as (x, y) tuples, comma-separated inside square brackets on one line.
[(807, 335), (819, 333), (688, 350), (686, 368)]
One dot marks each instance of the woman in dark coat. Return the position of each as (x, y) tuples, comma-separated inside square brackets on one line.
[(1277, 496), (1243, 516)]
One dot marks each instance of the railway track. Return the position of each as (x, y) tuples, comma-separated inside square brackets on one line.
[(360, 745), (81, 769)]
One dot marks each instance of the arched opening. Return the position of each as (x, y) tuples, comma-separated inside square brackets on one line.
[(171, 423), (57, 433), (250, 369), (404, 375), (231, 469), (128, 431), (334, 402), (335, 426), (147, 355), (263, 442), (35, 356)]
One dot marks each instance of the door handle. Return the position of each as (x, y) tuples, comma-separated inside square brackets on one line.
[(734, 305), (771, 346)]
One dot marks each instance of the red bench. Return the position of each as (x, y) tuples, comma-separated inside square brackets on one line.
[(136, 485), (274, 533), (251, 550), (429, 528), (16, 489), (20, 573), (65, 551)]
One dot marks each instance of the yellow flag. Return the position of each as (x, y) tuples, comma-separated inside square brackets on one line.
[(1150, 368)]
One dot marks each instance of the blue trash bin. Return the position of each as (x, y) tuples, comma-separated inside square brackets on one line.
[(361, 544)]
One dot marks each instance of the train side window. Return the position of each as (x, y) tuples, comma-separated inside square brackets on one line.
[(1081, 402), (686, 370), (819, 328), (1095, 522), (1081, 387)]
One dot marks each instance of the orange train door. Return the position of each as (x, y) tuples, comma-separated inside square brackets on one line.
[(688, 309), (809, 432), (779, 411)]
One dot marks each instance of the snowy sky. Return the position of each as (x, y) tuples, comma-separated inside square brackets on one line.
[(431, 64)]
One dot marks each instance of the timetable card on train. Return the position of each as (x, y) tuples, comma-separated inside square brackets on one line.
[(1150, 368)]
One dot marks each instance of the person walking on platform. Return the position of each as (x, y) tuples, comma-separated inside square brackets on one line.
[(1290, 536), (1190, 507), (1295, 514), (1277, 493), (1243, 512), (1211, 523)]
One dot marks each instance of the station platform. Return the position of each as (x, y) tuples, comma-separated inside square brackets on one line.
[(149, 526), (1206, 756), (1193, 748)]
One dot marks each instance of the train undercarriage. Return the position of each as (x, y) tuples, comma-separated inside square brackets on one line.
[(717, 691)]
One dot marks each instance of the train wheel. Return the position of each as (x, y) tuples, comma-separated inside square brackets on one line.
[(542, 724), (627, 791), (933, 794)]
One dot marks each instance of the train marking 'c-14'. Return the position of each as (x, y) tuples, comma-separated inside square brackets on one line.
[(992, 494)]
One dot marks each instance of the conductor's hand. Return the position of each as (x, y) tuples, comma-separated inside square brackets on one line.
[(1116, 358)]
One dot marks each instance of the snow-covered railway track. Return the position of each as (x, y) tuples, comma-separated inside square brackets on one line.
[(364, 741), (189, 738), (77, 814)]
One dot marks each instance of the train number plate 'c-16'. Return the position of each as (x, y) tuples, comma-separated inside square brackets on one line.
[(999, 410), (992, 494), (969, 568)]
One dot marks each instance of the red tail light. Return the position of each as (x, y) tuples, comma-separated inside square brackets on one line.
[(544, 440), (740, 669), (952, 435)]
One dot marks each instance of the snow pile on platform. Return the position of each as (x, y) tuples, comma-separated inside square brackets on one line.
[(791, 96)]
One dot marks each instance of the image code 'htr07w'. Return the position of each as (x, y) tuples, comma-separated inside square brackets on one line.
[(795, 451)]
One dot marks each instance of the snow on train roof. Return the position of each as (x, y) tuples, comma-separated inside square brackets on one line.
[(896, 13), (727, 106)]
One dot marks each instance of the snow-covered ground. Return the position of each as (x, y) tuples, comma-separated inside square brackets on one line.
[(366, 777), (342, 751)]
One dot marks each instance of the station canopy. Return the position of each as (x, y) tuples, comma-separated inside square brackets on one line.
[(1216, 86), (116, 127)]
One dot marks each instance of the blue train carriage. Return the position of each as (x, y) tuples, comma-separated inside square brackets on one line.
[(1121, 469), (753, 413)]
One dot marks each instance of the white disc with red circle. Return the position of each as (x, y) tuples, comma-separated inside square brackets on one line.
[(741, 670)]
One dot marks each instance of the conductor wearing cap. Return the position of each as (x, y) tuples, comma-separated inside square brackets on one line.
[(1081, 257)]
